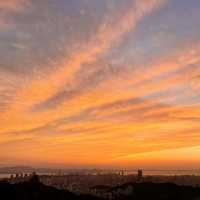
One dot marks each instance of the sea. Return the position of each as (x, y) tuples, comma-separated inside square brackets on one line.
[(145, 173)]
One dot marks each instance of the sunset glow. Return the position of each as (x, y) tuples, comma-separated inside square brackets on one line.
[(98, 83)]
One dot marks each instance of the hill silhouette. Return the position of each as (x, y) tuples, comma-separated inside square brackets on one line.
[(35, 190), (155, 191)]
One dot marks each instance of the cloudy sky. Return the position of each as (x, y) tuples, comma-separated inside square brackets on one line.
[(100, 83)]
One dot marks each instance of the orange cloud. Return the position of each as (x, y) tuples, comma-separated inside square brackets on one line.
[(106, 37), (140, 111)]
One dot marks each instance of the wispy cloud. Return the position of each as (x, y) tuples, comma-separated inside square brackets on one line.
[(88, 98), (106, 37)]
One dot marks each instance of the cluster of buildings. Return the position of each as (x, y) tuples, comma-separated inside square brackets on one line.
[(106, 185), (90, 183), (20, 177)]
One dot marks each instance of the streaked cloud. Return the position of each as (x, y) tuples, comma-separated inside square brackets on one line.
[(67, 88)]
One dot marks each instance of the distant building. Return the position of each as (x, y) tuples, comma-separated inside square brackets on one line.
[(140, 175), (121, 173), (33, 174)]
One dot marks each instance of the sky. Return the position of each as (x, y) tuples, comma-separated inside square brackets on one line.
[(90, 83)]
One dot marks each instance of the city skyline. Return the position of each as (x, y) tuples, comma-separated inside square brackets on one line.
[(91, 83)]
